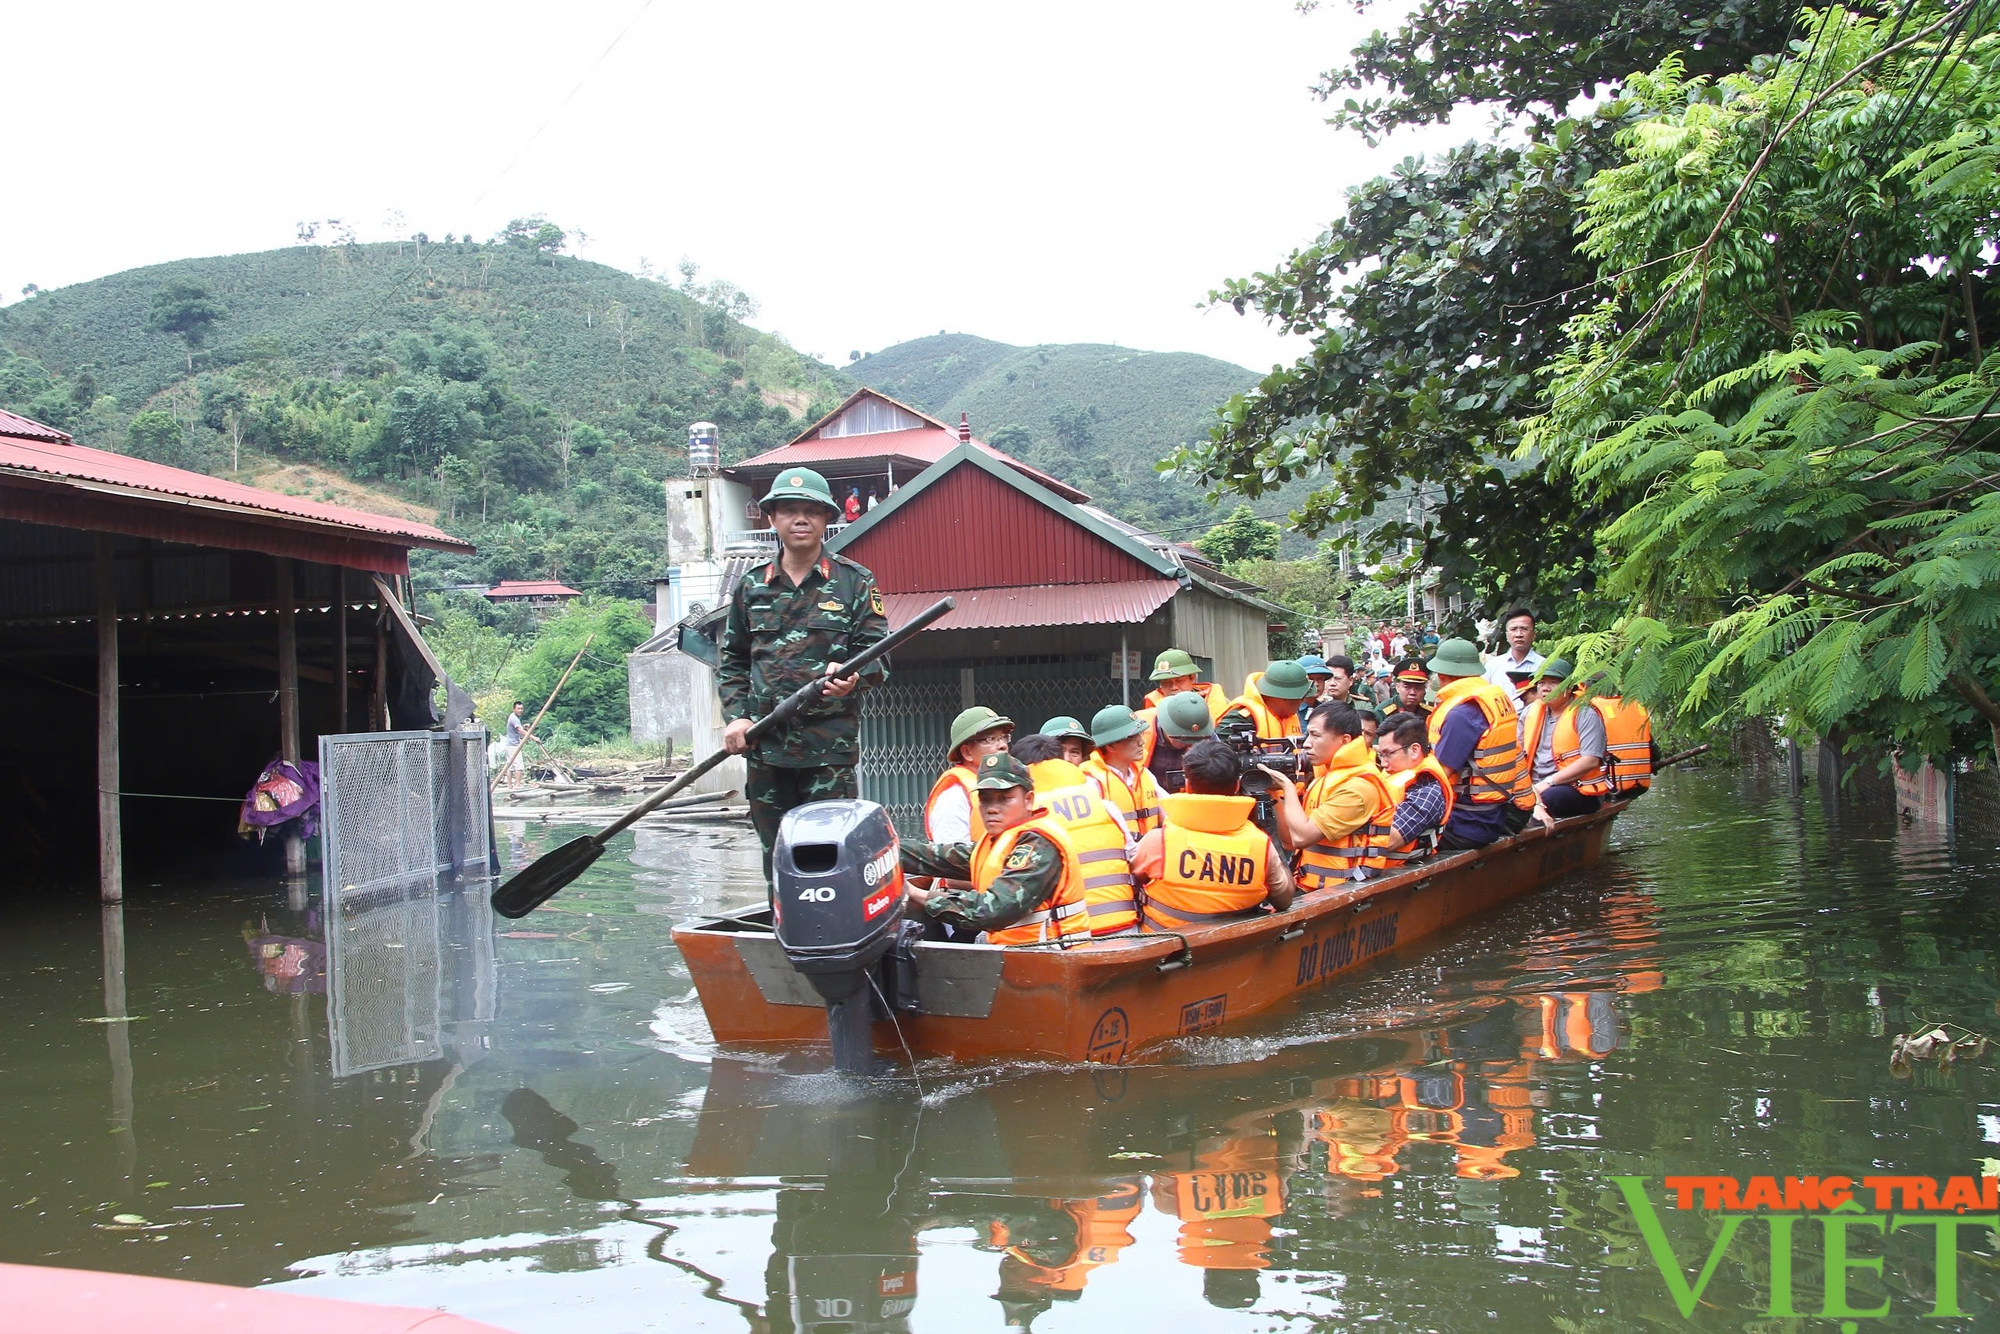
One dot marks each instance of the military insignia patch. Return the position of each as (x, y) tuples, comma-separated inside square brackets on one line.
[(1019, 859), (831, 606), (875, 601)]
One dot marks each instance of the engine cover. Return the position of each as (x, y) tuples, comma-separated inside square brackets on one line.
[(837, 884)]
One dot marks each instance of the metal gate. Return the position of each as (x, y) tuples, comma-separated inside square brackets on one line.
[(402, 810), (404, 821), (906, 724)]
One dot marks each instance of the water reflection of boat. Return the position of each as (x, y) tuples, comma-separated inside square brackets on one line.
[(1107, 1000), (1053, 1168)]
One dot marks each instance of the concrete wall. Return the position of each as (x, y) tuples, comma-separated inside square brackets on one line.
[(673, 699), (1231, 633)]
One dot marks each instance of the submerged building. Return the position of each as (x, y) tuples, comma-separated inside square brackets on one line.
[(1061, 606)]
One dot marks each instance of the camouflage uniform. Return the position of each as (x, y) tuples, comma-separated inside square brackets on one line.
[(778, 637), (1033, 872)]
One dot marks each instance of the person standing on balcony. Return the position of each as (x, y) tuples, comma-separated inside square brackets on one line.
[(792, 620), (852, 509)]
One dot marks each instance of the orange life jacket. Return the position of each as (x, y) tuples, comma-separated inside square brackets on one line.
[(1226, 1204), (1566, 745), (1425, 843), (1325, 863), (1497, 771), (1251, 703), (1101, 1234), (1214, 861), (1109, 886), (1064, 914), (960, 776), (1212, 694), (1628, 736), (1140, 805)]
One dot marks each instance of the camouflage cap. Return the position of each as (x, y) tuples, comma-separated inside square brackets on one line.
[(971, 723), (1284, 679), (1172, 664), (1185, 717), (1063, 726), (798, 484), (1003, 771)]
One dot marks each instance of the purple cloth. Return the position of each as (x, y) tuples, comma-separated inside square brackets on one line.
[(1477, 823), (289, 791)]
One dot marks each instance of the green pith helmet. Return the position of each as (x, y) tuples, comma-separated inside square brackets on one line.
[(1114, 722), (1555, 669), (1000, 771), (1185, 717), (1064, 727), (798, 484), (1457, 657), (970, 724), (1172, 664), (1284, 679)]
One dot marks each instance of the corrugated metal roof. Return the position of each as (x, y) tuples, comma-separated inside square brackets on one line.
[(925, 446), (27, 428), (1126, 602), (531, 588), (45, 452)]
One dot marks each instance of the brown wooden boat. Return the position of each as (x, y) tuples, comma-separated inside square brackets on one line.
[(1108, 1000)]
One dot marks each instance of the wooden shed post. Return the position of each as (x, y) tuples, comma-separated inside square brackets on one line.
[(110, 839), (339, 648), (288, 698), (378, 685)]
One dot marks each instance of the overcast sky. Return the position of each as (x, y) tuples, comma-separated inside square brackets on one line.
[(870, 172)]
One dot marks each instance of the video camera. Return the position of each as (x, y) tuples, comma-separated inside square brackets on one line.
[(1257, 754)]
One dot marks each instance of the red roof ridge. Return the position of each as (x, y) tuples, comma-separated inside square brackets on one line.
[(27, 428), (43, 451)]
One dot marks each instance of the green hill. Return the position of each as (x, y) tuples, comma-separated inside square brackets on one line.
[(533, 399), (1096, 416)]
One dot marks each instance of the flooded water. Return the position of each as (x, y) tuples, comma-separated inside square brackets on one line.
[(526, 1123)]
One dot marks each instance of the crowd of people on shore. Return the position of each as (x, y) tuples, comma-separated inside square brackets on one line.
[(1142, 820)]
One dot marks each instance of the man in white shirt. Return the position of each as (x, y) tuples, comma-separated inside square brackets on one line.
[(1519, 627)]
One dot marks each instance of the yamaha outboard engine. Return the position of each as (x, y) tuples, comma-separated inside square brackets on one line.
[(837, 906)]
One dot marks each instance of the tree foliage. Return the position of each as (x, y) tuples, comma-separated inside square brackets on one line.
[(184, 308), (1242, 536), (593, 704), (1438, 300), (1784, 394)]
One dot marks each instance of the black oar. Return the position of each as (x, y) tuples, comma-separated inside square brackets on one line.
[(541, 878)]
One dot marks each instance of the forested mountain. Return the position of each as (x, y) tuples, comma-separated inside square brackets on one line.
[(534, 400), (1097, 416)]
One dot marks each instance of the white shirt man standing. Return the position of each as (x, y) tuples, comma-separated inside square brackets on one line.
[(1519, 627)]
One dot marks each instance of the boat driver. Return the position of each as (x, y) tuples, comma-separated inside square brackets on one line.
[(1026, 883)]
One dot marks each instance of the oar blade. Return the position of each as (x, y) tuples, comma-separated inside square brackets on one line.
[(538, 882)]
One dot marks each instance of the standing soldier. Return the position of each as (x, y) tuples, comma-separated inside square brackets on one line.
[(791, 621)]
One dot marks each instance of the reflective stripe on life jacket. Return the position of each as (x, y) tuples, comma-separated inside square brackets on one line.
[(958, 775), (1425, 843), (1141, 807), (1064, 913), (1213, 862), (1328, 862), (1251, 704), (1628, 737), (1497, 771), (1109, 888), (1566, 746)]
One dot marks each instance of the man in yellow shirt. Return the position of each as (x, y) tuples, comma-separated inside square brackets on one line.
[(1340, 828)]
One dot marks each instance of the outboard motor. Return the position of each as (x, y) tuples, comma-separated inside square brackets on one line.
[(837, 907)]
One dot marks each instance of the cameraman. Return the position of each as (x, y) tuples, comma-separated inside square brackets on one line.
[(1208, 861), (1343, 826)]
